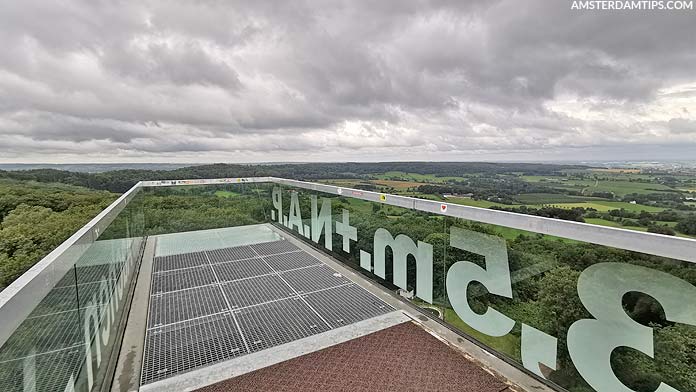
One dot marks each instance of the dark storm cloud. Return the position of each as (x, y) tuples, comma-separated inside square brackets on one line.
[(255, 80)]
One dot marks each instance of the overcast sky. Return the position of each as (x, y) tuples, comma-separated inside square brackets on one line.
[(235, 81)]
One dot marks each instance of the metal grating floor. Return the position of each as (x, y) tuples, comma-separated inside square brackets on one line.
[(214, 305), (279, 322)]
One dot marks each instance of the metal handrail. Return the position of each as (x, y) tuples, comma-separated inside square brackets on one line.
[(651, 243)]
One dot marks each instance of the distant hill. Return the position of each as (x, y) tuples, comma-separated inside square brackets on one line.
[(93, 167), (121, 180)]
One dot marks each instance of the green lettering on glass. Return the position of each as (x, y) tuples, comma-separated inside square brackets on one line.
[(601, 288), (321, 221), (495, 277), (401, 247)]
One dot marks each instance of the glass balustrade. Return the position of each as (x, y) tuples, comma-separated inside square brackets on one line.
[(584, 317)]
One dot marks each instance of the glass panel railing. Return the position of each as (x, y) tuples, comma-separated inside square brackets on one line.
[(585, 317), (44, 349), (200, 217), (81, 289), (176, 209), (104, 275)]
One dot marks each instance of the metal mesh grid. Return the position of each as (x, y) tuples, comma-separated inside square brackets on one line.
[(346, 305), (288, 261), (231, 254), (275, 247), (66, 298), (193, 327), (241, 269), (185, 305), (182, 279), (310, 279), (57, 300), (180, 347), (41, 334), (278, 322), (91, 291), (53, 370), (87, 274), (257, 290), (174, 262), (48, 346)]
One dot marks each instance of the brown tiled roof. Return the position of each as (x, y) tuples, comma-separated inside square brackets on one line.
[(400, 358)]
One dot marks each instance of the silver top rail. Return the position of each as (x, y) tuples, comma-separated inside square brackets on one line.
[(655, 244), (638, 241)]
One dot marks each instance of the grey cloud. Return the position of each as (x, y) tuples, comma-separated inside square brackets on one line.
[(182, 64), (682, 125), (359, 79)]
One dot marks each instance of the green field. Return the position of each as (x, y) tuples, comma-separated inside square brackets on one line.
[(549, 198), (600, 205), (663, 223), (547, 179), (423, 178), (344, 182), (425, 196), (477, 203), (604, 206), (619, 188), (398, 186), (508, 232), (604, 222), (615, 205), (226, 194)]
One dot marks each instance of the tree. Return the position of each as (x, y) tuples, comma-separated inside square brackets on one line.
[(658, 229), (687, 225)]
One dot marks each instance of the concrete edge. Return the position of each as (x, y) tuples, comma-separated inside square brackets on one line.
[(129, 365), (222, 371)]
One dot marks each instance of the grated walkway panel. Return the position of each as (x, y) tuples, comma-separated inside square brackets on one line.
[(174, 262), (214, 305), (179, 347), (346, 305), (258, 290), (275, 247), (293, 260), (310, 279), (278, 322), (182, 279), (235, 270), (184, 305), (231, 254)]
